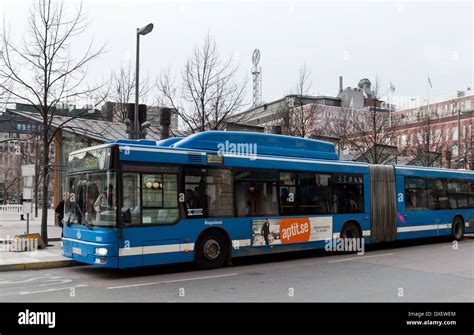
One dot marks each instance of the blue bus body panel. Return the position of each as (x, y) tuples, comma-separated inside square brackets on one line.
[(162, 244), (141, 246), (425, 223), (170, 156), (80, 243)]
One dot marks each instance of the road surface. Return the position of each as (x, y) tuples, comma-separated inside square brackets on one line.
[(401, 272)]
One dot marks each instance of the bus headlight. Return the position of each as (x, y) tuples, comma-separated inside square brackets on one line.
[(101, 251)]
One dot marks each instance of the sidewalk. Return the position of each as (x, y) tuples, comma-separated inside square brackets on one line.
[(11, 225), (51, 257)]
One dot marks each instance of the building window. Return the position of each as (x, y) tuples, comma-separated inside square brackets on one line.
[(467, 105)]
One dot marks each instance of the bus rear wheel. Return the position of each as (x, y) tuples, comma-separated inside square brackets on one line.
[(212, 251), (458, 228)]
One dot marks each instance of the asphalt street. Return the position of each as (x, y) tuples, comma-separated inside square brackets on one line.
[(422, 271)]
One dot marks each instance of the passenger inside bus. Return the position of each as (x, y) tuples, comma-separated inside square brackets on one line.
[(104, 200), (335, 208)]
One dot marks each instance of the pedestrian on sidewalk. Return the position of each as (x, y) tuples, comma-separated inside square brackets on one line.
[(59, 211), (22, 218)]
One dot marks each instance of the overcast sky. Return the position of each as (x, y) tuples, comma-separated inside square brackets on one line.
[(402, 42)]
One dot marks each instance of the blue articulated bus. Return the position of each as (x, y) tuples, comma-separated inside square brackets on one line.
[(213, 196)]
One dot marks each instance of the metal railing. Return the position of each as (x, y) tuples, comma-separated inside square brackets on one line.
[(11, 209)]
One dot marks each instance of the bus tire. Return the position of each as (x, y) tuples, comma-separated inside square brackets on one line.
[(350, 230), (212, 250), (458, 228)]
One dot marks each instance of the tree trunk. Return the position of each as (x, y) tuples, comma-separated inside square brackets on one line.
[(45, 172), (36, 193), (37, 175)]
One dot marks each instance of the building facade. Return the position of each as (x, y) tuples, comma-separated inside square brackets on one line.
[(436, 133), (444, 127)]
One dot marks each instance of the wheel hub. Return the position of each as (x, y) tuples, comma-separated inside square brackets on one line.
[(212, 249)]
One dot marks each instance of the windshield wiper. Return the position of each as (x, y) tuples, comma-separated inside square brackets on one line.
[(86, 222)]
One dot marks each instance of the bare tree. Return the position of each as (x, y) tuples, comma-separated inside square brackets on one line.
[(9, 170), (42, 72), (298, 119), (427, 142), (373, 133), (339, 124), (209, 93), (466, 146), (122, 91)]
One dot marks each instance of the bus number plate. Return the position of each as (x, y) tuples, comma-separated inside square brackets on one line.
[(77, 251)]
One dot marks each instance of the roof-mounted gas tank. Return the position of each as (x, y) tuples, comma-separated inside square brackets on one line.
[(168, 142), (231, 142)]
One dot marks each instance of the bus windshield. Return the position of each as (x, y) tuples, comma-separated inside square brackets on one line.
[(91, 199)]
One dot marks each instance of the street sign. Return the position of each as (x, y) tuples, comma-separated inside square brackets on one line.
[(27, 207), (27, 193), (28, 170), (28, 181)]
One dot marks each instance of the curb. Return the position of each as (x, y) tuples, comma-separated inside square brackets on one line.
[(39, 265)]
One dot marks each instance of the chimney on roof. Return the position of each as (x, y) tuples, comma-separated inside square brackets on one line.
[(165, 121), (340, 84)]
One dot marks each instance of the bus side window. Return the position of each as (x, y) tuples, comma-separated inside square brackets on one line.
[(348, 193), (255, 193), (196, 198), (437, 194), (315, 193), (131, 209), (220, 192), (457, 193), (416, 194), (288, 195), (470, 193)]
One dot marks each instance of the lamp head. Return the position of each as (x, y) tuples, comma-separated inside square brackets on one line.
[(145, 125), (145, 30)]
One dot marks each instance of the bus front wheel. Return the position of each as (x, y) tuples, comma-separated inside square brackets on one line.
[(211, 250), (458, 228)]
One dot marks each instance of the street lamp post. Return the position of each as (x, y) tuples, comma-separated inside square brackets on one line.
[(136, 124)]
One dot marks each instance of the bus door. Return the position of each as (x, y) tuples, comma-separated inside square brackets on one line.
[(383, 226)]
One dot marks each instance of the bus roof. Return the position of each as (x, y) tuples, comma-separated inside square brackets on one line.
[(269, 145), (423, 171), (258, 143)]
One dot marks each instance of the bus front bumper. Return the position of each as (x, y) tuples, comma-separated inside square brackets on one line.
[(90, 253)]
